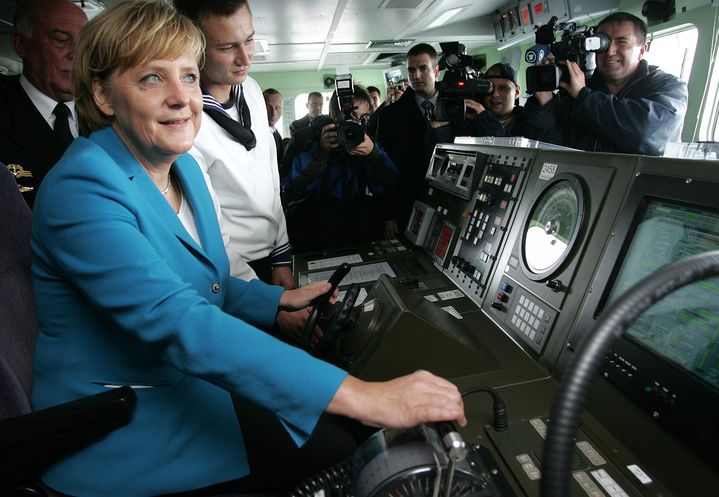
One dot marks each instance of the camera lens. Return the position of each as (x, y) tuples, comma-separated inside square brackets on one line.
[(350, 134)]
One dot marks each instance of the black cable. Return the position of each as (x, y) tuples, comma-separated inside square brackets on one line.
[(500, 421), (572, 392)]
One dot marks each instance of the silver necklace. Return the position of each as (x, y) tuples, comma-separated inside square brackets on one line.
[(169, 184)]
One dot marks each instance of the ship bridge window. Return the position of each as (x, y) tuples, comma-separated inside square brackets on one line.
[(674, 51), (301, 103)]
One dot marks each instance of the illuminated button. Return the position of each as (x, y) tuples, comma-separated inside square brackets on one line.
[(524, 458), (503, 204)]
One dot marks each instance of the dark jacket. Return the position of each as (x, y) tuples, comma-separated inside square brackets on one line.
[(325, 192), (484, 124), (641, 119), (26, 140), (338, 173), (404, 132)]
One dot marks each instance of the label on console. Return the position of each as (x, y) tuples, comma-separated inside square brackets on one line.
[(641, 475), (548, 171), (452, 311), (450, 294)]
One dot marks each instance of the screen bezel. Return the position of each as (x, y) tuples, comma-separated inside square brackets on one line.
[(697, 396)]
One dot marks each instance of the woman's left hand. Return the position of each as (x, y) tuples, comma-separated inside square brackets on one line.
[(303, 296)]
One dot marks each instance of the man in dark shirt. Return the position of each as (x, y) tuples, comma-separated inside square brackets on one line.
[(37, 118), (315, 101), (273, 100), (333, 190), (402, 129), (626, 106)]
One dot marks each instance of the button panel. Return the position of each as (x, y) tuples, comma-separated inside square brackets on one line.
[(489, 214), (528, 317)]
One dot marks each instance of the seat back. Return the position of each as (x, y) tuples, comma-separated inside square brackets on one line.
[(18, 321)]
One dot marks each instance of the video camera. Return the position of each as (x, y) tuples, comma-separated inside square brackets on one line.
[(462, 80), (350, 130), (578, 44)]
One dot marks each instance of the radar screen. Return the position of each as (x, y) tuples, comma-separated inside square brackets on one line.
[(684, 326), (552, 227)]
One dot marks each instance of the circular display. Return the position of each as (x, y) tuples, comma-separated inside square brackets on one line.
[(421, 483), (552, 227)]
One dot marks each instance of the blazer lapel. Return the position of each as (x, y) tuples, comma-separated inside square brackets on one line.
[(195, 191), (111, 143)]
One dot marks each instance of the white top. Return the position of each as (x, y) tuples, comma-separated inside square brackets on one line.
[(45, 105), (247, 184)]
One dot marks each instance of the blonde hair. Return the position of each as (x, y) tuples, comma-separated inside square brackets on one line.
[(128, 34)]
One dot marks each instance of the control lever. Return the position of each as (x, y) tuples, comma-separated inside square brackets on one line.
[(456, 450), (320, 303)]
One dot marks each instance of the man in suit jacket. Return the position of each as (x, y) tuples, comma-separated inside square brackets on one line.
[(315, 100), (273, 100), (404, 130), (32, 136)]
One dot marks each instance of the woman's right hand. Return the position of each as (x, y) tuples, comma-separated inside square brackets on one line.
[(403, 402)]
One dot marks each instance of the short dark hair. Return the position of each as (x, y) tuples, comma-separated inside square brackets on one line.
[(270, 91), (420, 49), (195, 9), (360, 93), (314, 94), (640, 27), (370, 89)]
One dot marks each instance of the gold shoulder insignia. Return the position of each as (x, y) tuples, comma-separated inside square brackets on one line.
[(19, 172)]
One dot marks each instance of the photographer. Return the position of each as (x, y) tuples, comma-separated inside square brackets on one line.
[(497, 113), (626, 106), (336, 176)]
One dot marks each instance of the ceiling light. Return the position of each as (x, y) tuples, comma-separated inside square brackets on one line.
[(446, 16)]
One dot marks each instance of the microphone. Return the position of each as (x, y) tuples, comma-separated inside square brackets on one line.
[(536, 54)]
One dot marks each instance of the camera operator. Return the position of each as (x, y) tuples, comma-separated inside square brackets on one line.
[(497, 113), (626, 106), (336, 177)]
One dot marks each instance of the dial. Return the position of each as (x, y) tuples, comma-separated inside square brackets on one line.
[(552, 226)]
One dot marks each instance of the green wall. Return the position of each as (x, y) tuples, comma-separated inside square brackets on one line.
[(292, 83)]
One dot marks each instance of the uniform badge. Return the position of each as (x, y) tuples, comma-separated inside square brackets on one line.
[(19, 172)]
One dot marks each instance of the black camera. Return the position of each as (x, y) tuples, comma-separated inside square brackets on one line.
[(578, 44), (350, 131), (462, 80)]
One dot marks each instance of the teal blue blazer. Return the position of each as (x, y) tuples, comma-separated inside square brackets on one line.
[(126, 297)]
